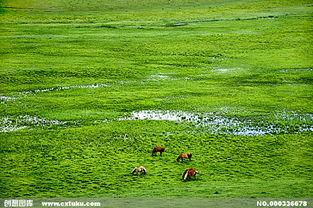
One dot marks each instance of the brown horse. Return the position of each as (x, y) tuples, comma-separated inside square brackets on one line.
[(188, 173), (158, 149), (184, 155), (141, 170)]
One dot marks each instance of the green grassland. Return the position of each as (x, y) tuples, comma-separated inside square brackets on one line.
[(74, 72)]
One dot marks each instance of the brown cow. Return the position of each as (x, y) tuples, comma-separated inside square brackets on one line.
[(158, 149), (188, 173), (141, 170), (184, 155)]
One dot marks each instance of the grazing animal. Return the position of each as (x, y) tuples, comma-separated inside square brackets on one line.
[(141, 170), (184, 155), (188, 173), (158, 149)]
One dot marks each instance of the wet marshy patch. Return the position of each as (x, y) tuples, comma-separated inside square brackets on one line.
[(66, 88), (22, 94), (296, 70), (7, 98), (217, 123), (211, 122), (10, 123), (221, 70), (160, 77), (4, 99)]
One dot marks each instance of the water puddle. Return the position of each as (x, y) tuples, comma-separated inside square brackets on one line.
[(188, 66), (295, 70), (160, 77), (5, 98), (220, 71), (66, 88), (213, 72), (216, 123), (8, 124), (213, 122)]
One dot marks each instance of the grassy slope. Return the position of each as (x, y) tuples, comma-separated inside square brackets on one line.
[(86, 161), (264, 45)]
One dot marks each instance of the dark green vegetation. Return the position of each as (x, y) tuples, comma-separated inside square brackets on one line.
[(70, 70)]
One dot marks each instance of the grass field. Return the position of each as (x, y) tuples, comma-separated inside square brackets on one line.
[(88, 88)]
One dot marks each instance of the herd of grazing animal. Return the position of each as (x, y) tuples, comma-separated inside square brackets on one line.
[(188, 173)]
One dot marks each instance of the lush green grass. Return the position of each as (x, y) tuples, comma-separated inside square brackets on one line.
[(251, 57), (97, 162)]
